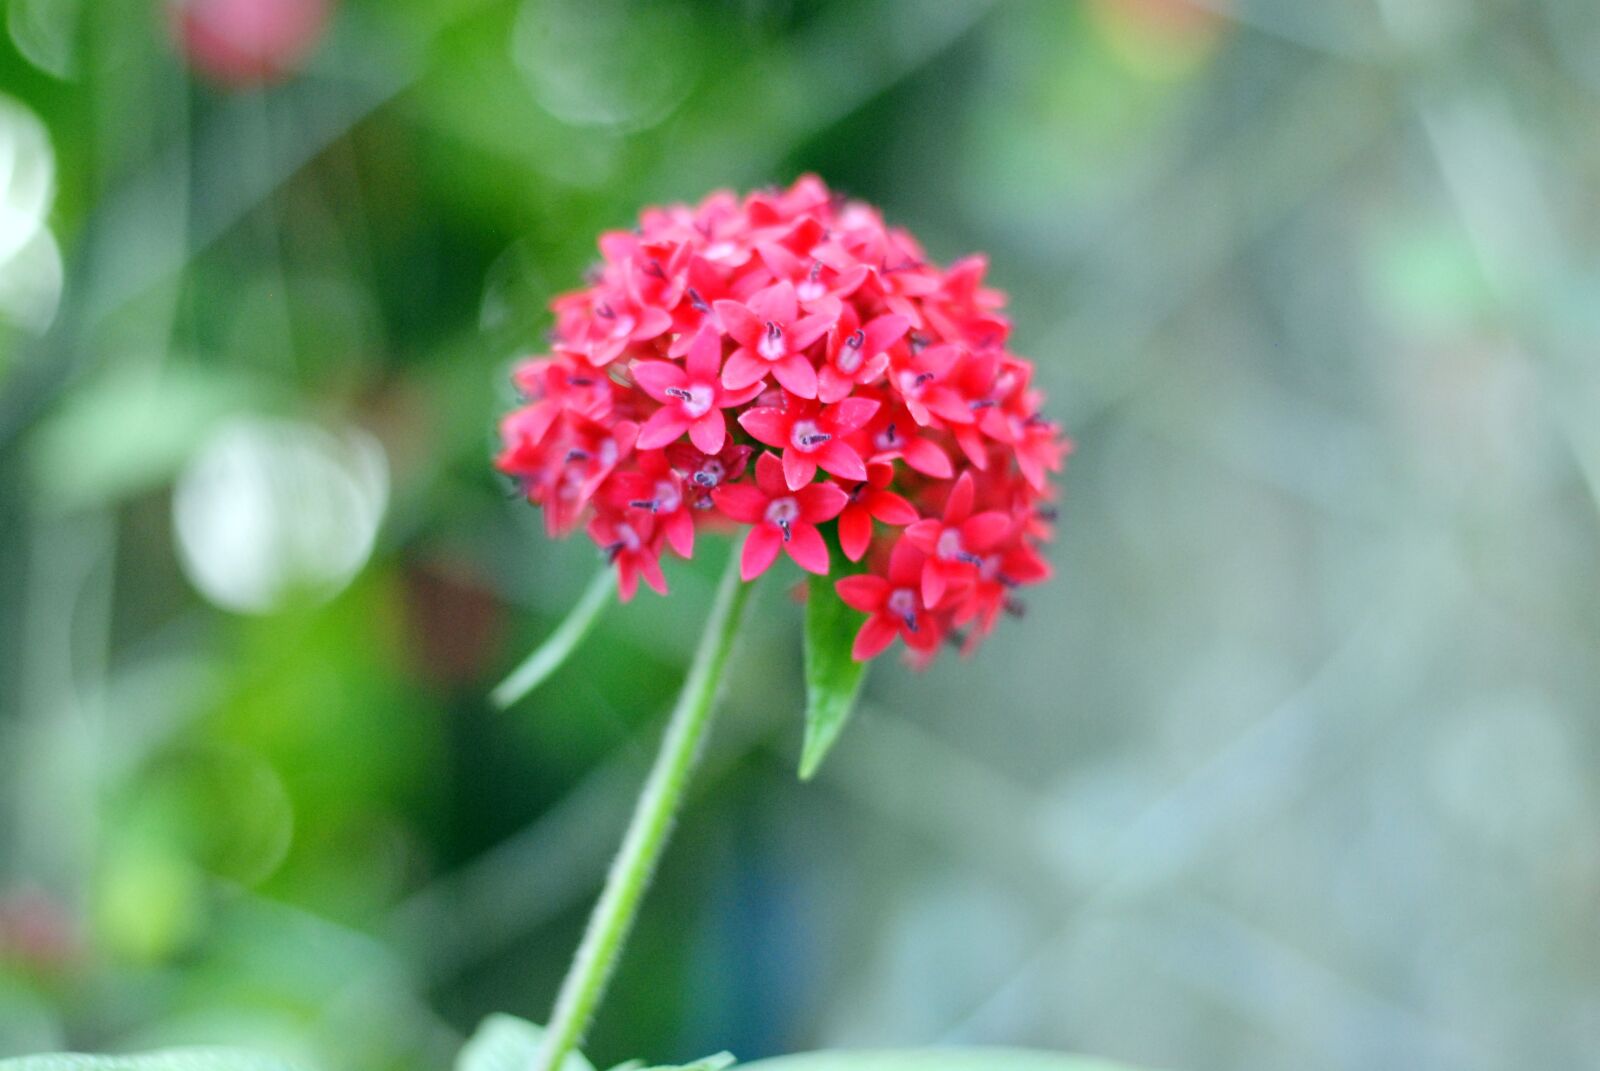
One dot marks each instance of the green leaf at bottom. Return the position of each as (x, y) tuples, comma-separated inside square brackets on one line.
[(833, 678), (165, 1060), (506, 1043)]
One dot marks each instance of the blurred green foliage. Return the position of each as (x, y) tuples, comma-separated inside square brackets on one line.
[(1291, 766)]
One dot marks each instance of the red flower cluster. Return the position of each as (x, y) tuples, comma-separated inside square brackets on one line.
[(871, 392)]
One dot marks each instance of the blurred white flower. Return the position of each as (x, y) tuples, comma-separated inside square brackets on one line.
[(270, 510), (30, 261)]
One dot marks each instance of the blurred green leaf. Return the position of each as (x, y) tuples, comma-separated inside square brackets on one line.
[(131, 431), (550, 655), (709, 1063), (166, 1060), (833, 678), (936, 1060), (506, 1043)]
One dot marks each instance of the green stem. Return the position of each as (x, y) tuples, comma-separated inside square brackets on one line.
[(647, 832)]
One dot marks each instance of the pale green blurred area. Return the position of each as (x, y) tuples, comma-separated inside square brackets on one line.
[(1293, 765)]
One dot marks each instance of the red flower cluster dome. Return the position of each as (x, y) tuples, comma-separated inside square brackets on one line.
[(787, 362)]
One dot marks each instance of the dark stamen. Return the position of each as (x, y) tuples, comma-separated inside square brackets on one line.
[(653, 269), (982, 403), (1016, 608), (774, 332), (968, 557), (910, 620), (788, 530), (649, 504), (697, 301), (856, 340), (889, 434), (679, 392), (575, 454), (816, 438), (816, 269), (923, 378), (704, 479), (1046, 513), (611, 551), (605, 311), (581, 381)]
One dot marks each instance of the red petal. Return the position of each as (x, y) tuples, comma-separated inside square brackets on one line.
[(761, 548), (766, 424), (959, 505), (775, 304), (884, 331), (654, 377), (841, 459), (851, 413), (705, 355), (932, 584), (890, 508), (924, 535), (650, 569), (833, 384), (855, 532), (798, 469), (865, 593), (664, 426), (927, 459), (679, 527), (983, 532), (804, 332), (806, 547), (769, 476), (739, 322), (709, 432), (874, 636), (744, 369), (741, 502), (796, 375), (627, 579), (821, 502)]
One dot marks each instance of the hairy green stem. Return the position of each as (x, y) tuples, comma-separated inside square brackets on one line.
[(647, 832)]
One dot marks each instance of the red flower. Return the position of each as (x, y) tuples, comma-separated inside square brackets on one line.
[(955, 545), (692, 397), (773, 338), (893, 604), (837, 345), (871, 501), (812, 436), (784, 519)]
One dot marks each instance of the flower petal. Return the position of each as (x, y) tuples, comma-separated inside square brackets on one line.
[(983, 532), (709, 432), (740, 502), (766, 424), (852, 413), (864, 592), (742, 325), (841, 459), (927, 459), (654, 377), (890, 508), (775, 304), (705, 355), (874, 636), (664, 426), (855, 532), (761, 548), (744, 369), (769, 476), (796, 375), (821, 502), (798, 468), (806, 547)]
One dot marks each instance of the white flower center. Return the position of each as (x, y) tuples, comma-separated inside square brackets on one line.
[(772, 346), (668, 497), (949, 547), (783, 512), (698, 400), (807, 436)]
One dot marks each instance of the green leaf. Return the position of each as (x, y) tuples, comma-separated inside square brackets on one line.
[(833, 678), (935, 1060), (553, 652), (506, 1043), (707, 1063), (165, 1060)]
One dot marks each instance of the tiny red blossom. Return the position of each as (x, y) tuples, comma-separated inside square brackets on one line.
[(874, 402)]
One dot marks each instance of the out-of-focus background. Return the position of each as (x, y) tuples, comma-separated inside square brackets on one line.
[(1294, 764)]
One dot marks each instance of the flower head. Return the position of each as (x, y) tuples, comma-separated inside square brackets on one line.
[(875, 406)]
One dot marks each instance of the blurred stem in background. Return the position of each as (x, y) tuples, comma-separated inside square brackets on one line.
[(647, 832)]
